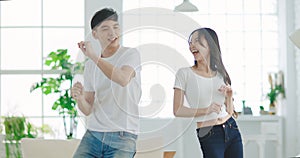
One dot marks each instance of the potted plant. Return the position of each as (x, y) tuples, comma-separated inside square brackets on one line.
[(16, 128), (276, 88), (65, 104)]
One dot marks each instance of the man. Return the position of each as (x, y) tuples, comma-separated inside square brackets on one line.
[(111, 92)]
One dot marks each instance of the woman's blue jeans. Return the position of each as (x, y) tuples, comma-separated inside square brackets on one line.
[(221, 141), (106, 145)]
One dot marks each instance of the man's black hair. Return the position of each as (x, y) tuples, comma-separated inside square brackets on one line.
[(102, 15)]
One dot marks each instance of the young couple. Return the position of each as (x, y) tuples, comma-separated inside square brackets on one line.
[(111, 92)]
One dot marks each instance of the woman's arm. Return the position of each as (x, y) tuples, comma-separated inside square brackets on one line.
[(227, 91), (229, 105), (180, 110)]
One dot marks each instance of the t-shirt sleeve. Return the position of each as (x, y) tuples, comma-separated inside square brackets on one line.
[(88, 76), (131, 58), (180, 80)]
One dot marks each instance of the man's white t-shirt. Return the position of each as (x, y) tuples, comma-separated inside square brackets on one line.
[(115, 107), (201, 92)]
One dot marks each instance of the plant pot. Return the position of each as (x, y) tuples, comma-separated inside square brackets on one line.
[(272, 108), (2, 146), (70, 126)]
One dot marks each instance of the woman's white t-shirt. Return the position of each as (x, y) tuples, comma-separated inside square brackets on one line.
[(115, 107), (200, 92)]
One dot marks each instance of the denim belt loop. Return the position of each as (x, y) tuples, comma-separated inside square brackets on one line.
[(121, 133)]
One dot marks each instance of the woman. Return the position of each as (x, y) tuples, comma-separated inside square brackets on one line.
[(206, 87)]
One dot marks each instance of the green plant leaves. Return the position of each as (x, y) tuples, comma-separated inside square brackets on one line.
[(274, 92), (60, 60), (17, 128)]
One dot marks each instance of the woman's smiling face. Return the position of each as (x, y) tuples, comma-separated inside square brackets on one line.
[(199, 47)]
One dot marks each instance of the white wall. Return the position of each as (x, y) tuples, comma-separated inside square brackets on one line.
[(291, 66), (297, 61), (289, 109)]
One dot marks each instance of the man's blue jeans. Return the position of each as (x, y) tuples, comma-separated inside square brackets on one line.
[(107, 145), (221, 141)]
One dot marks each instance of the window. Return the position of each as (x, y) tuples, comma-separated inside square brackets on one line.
[(28, 34), (248, 34)]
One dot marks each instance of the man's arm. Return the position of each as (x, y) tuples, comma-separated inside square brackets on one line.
[(122, 75), (84, 99), (85, 105)]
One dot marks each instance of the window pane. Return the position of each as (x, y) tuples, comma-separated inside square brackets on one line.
[(253, 39), (269, 23), (269, 6), (253, 86), (16, 97), (21, 48), (237, 75), (14, 13), (159, 4), (36, 122), (235, 22), (147, 3), (234, 6), (234, 40), (253, 57), (270, 57), (252, 22), (217, 7), (202, 20), (57, 125), (63, 38), (63, 13), (252, 6), (218, 22), (201, 5), (269, 39), (233, 57), (222, 35), (48, 101)]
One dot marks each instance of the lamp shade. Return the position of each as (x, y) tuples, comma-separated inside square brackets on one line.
[(295, 38), (186, 6)]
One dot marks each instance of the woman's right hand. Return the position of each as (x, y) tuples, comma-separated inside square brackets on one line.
[(214, 107), (77, 91)]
